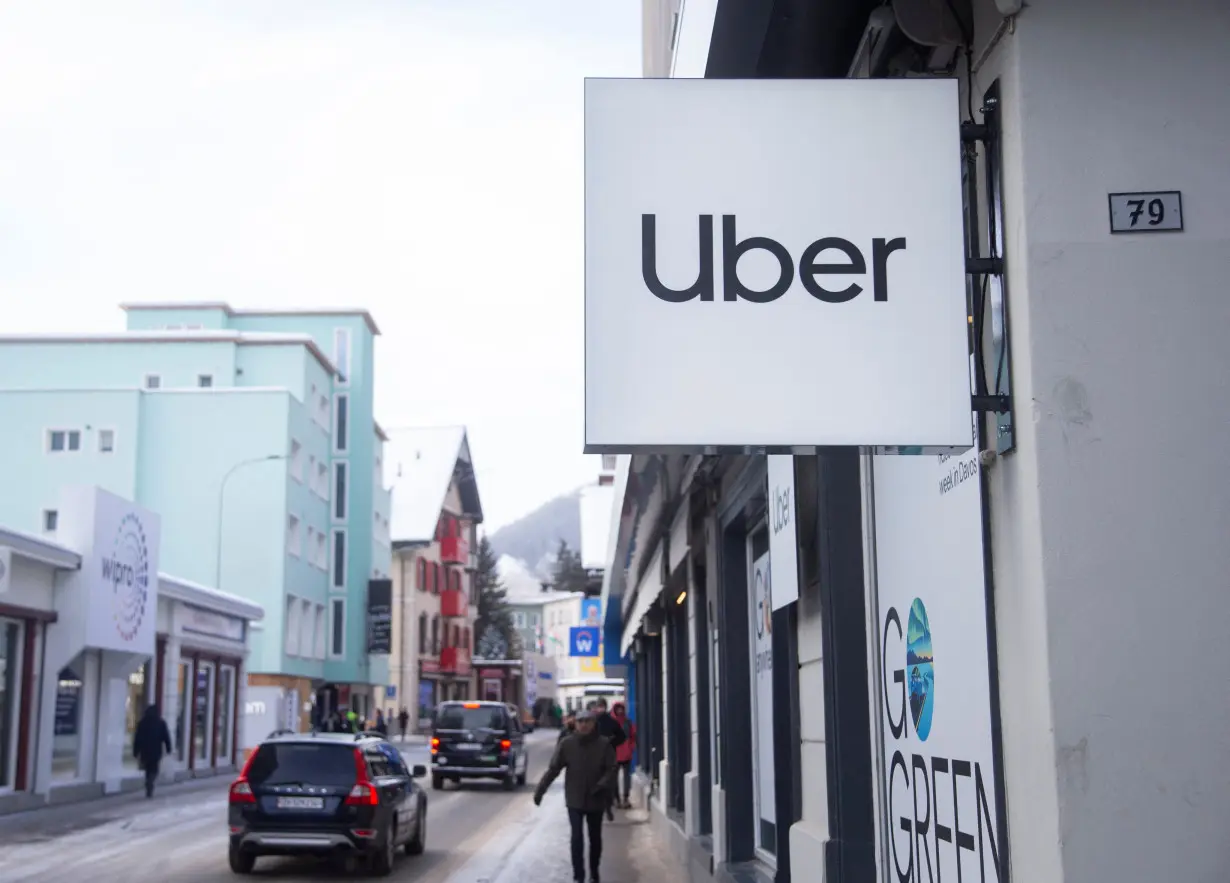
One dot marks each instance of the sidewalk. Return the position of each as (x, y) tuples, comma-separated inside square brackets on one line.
[(537, 848)]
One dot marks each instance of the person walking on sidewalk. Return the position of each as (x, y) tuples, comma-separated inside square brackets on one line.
[(588, 761), (151, 737), (623, 755), (609, 729), (403, 721), (569, 727)]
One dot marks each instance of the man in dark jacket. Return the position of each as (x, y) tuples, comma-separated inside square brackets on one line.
[(151, 737), (613, 732), (589, 762)]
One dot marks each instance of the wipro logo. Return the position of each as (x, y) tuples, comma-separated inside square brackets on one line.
[(817, 260), (126, 568)]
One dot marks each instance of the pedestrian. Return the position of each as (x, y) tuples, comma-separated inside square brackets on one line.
[(352, 722), (623, 755), (382, 726), (569, 727), (610, 730), (403, 721), (588, 762), (148, 742)]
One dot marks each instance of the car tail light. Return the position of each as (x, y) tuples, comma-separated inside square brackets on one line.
[(471, 705), (435, 745), (505, 745), (363, 793), (241, 789)]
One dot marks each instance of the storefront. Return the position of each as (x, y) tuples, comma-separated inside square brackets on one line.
[(499, 680), (89, 634)]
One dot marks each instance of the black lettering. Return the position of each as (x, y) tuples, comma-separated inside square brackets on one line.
[(984, 815), (942, 832), (964, 841), (702, 287), (923, 825), (897, 727), (732, 250), (903, 876), (808, 269), (880, 250)]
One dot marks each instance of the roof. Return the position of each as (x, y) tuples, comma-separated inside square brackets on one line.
[(419, 466), (215, 600), (216, 335), (231, 311), (37, 548)]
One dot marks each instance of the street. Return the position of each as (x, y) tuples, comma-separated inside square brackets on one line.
[(476, 832)]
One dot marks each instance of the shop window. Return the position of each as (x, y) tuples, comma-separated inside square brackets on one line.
[(225, 714), (10, 662), (134, 707), (66, 738), (202, 716), (184, 683)]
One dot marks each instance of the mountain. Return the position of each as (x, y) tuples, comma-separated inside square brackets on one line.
[(534, 538)]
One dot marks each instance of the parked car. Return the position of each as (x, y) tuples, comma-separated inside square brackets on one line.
[(477, 740), (338, 795)]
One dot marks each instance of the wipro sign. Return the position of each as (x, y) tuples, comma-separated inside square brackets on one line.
[(126, 567), (774, 264)]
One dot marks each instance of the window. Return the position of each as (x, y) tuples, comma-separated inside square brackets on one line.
[(339, 558), (435, 635), (422, 575), (337, 627), (608, 462), (320, 552), (61, 440), (293, 545), (435, 578), (296, 460), (153, 381), (339, 491), (204, 381), (306, 629), (292, 625), (322, 632), (322, 411), (106, 441), (422, 632), (51, 520), (322, 479), (341, 417), (341, 353)]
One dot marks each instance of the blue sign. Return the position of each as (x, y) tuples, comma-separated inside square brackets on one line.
[(591, 612), (390, 692), (583, 641)]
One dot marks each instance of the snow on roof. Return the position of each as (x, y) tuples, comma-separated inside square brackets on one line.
[(597, 507), (418, 466)]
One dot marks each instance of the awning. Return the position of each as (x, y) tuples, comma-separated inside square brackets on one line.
[(647, 591)]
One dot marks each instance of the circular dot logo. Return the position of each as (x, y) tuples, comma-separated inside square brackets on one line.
[(764, 603), (920, 669), (127, 569)]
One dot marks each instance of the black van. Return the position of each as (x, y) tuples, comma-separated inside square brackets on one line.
[(477, 740)]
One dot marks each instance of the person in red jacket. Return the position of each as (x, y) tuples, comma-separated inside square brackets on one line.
[(623, 754)]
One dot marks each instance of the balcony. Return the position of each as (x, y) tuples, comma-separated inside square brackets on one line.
[(454, 603), (454, 661), (455, 550)]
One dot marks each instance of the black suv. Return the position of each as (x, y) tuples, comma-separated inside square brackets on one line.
[(477, 740), (327, 794)]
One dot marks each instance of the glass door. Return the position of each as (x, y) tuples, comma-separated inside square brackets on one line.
[(183, 718), (760, 617), (202, 717), (225, 715), (10, 679)]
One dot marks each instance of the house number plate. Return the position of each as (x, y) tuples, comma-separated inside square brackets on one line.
[(1159, 211)]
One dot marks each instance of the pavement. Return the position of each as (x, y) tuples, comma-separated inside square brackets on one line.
[(477, 833)]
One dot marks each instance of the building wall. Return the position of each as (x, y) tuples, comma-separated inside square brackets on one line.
[(107, 363), (212, 318), (1109, 521)]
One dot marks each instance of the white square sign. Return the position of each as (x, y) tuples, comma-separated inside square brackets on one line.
[(774, 263)]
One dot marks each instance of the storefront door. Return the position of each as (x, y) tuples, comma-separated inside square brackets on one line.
[(203, 716), (760, 617), (10, 684), (183, 722), (224, 729)]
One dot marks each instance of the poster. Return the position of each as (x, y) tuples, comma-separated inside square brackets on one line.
[(762, 655), (939, 761)]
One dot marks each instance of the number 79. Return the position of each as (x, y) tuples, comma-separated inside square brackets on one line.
[(1156, 209)]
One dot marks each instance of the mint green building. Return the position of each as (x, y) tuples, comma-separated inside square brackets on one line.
[(252, 434)]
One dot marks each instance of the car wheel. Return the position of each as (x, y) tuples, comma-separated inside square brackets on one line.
[(525, 772), (510, 780), (382, 861), (419, 841), (437, 783), (241, 862)]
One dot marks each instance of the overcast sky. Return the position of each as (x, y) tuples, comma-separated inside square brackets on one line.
[(421, 158)]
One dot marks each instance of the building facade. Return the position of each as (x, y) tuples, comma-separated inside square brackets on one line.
[(249, 440), (90, 634), (1030, 559), (434, 536)]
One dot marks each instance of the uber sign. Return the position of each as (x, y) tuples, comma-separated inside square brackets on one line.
[(783, 268)]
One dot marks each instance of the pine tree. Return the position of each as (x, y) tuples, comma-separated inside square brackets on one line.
[(569, 573), (493, 627)]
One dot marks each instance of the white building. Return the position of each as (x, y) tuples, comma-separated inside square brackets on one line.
[(90, 634)]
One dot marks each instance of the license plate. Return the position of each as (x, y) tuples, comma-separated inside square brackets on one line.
[(489, 758), (301, 803), (468, 746)]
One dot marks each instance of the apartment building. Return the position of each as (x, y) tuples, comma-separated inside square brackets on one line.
[(243, 429), (433, 533)]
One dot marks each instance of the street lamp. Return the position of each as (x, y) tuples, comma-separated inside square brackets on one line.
[(222, 500)]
